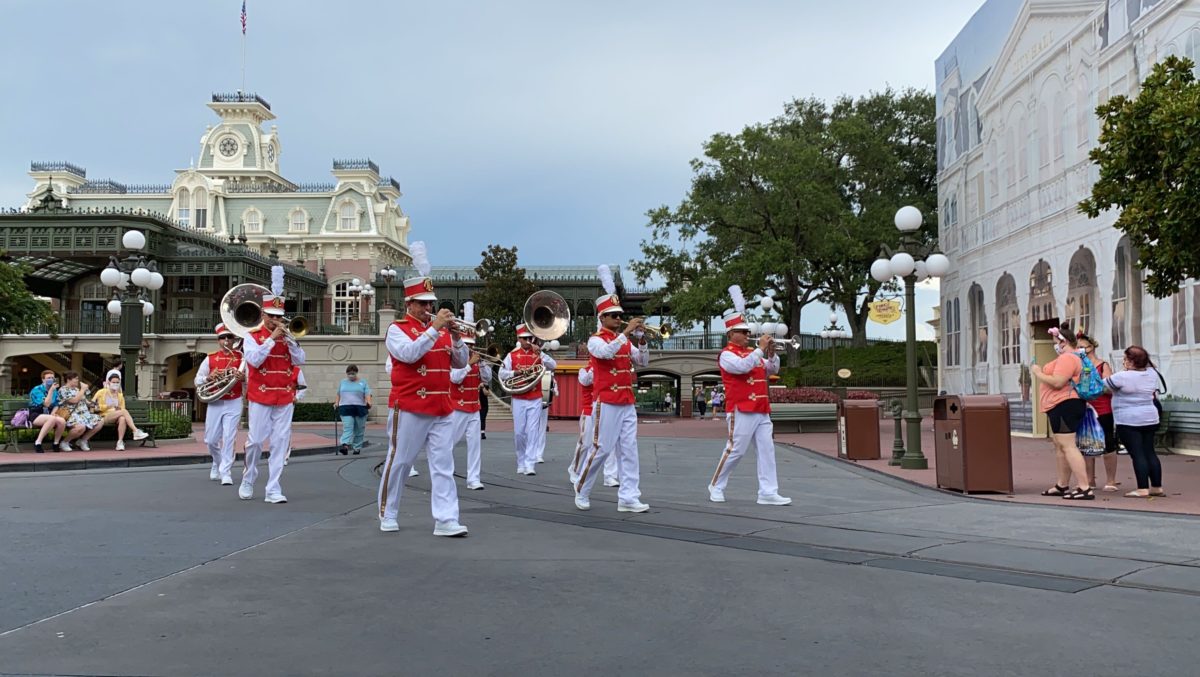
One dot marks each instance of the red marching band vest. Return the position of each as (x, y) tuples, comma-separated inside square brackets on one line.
[(273, 382), (520, 358), (422, 387), (221, 360), (613, 379), (587, 397), (745, 392), (465, 396)]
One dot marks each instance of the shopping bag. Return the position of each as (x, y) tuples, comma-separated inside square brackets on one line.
[(1090, 436)]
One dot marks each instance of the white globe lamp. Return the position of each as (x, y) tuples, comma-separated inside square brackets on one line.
[(908, 219), (133, 239), (781, 330), (156, 281), (114, 307), (881, 270), (140, 276), (766, 303), (937, 265), (902, 264), (147, 308), (110, 277)]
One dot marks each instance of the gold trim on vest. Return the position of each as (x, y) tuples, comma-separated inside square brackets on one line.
[(423, 393)]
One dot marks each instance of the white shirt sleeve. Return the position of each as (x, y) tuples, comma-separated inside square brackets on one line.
[(407, 350), (255, 352), (742, 365), (772, 365), (203, 371), (606, 350), (585, 377), (301, 381), (640, 356), (485, 373), (548, 362), (458, 374), (459, 355), (295, 352), (506, 370)]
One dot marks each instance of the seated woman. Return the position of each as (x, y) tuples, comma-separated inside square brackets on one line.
[(111, 403), (80, 419), (43, 400)]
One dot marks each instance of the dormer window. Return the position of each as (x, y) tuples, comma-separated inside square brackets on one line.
[(252, 220), (348, 216)]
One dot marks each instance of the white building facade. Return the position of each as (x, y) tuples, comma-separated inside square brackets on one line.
[(350, 227), (1017, 91)]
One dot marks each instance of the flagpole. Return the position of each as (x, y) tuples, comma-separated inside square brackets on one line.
[(243, 61)]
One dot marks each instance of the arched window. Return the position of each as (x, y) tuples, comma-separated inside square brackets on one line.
[(348, 216), (1081, 290), (1127, 298), (1008, 315), (1179, 318), (252, 218), (345, 305), (200, 208), (1042, 305), (979, 326), (953, 333), (183, 206), (298, 221)]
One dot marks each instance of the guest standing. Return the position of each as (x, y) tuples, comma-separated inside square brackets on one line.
[(1137, 418)]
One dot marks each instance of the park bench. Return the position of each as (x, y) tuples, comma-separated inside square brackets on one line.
[(804, 418), (9, 408), (139, 409)]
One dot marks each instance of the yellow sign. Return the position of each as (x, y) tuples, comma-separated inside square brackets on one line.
[(885, 312)]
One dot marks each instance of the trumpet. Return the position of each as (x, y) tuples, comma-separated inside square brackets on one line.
[(663, 331), (479, 328), (793, 342)]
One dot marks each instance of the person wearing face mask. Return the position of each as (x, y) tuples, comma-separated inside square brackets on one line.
[(110, 402), (1065, 411), (222, 416), (353, 403), (43, 401)]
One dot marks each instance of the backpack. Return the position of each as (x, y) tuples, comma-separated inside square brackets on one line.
[(1090, 385), (21, 419)]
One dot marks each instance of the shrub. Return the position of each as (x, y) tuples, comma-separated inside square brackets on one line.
[(862, 395), (879, 365), (802, 396), (171, 426), (314, 411)]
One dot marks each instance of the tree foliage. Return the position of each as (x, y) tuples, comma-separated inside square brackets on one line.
[(505, 290), (1149, 160), (20, 311), (798, 205)]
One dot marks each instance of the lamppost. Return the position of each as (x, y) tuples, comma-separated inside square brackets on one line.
[(903, 263), (129, 300), (388, 274), (834, 331), (366, 294)]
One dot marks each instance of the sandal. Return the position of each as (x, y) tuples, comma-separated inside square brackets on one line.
[(1135, 494), (1111, 487), (1056, 491), (1080, 495), (1158, 494)]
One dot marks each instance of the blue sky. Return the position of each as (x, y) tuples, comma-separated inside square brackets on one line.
[(552, 126)]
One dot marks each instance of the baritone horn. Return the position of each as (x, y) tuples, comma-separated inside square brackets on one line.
[(546, 315), (297, 327)]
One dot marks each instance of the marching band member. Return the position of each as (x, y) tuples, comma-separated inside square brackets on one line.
[(613, 357), (585, 422), (273, 356), (222, 416), (422, 348), (526, 407), (387, 367), (464, 397), (744, 373)]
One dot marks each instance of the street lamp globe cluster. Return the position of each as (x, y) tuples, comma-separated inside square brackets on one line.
[(776, 329), (131, 279), (363, 292), (834, 330), (388, 274), (913, 261)]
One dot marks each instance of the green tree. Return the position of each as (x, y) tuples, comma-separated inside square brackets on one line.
[(1149, 159), (505, 290), (20, 311), (799, 205)]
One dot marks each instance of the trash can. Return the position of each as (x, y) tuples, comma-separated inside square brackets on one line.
[(971, 443), (858, 430)]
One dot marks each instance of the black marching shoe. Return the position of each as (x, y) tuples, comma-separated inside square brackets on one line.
[(344, 449)]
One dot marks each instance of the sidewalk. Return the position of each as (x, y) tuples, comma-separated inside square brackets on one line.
[(168, 452)]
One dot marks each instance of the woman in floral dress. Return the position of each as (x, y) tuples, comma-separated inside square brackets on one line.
[(80, 419)]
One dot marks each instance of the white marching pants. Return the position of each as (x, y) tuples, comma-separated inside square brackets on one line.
[(273, 423), (466, 424), (616, 434), (584, 445), (220, 432), (744, 428), (527, 417), (407, 434), (539, 449)]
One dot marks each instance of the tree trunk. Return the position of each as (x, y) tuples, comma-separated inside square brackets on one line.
[(857, 318), (794, 305)]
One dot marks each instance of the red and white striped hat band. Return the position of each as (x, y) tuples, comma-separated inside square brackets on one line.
[(419, 289), (609, 303), (523, 331), (735, 321), (221, 330), (272, 305)]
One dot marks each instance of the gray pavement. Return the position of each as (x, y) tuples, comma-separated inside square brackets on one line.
[(162, 572)]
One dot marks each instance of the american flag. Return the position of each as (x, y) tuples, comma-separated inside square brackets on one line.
[(243, 17)]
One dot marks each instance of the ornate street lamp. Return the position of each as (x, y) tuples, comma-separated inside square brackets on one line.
[(131, 279), (834, 331), (913, 261), (388, 274)]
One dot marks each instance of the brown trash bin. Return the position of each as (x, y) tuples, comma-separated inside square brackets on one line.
[(971, 443), (858, 430)]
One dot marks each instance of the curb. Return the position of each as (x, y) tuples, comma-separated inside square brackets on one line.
[(142, 462)]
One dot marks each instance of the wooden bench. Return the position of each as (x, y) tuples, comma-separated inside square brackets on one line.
[(9, 408), (139, 409), (804, 418)]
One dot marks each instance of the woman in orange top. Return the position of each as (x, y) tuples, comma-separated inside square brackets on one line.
[(1065, 410)]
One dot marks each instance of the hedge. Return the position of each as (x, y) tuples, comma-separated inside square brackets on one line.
[(314, 411), (879, 365)]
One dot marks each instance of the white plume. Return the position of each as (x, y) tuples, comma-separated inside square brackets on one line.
[(277, 280), (469, 311), (420, 257), (606, 278), (739, 301)]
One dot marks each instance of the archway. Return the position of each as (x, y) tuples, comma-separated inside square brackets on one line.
[(1081, 291)]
